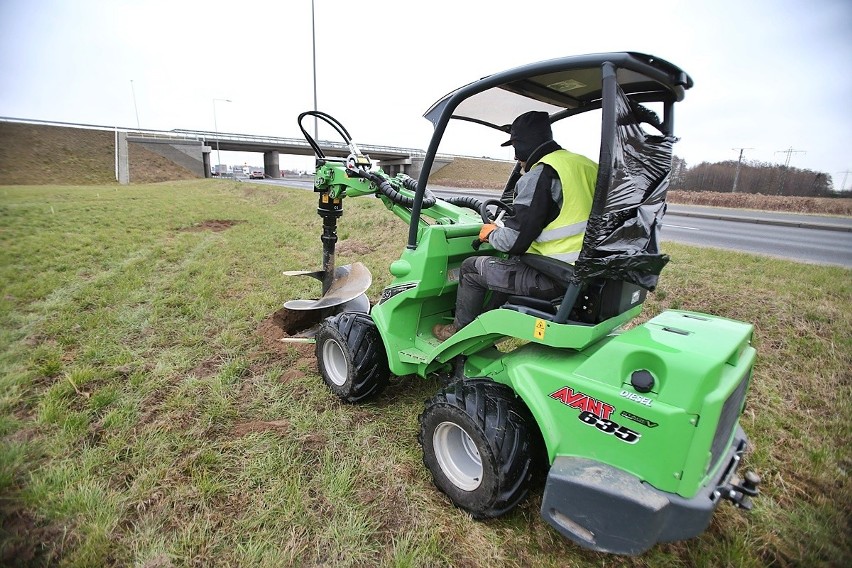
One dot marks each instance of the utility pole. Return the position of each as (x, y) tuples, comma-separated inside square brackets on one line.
[(843, 185), (216, 127), (789, 151), (739, 163)]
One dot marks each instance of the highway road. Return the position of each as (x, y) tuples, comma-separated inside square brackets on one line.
[(803, 238)]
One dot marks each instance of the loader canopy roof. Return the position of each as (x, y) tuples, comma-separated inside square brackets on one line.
[(561, 87)]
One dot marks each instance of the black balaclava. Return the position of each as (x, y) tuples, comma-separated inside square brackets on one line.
[(529, 131)]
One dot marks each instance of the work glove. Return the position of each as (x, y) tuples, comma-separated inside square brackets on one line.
[(485, 231)]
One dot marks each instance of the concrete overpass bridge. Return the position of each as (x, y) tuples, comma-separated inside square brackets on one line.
[(192, 148), (392, 159)]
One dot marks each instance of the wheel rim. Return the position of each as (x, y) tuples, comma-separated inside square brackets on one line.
[(334, 362), (457, 455)]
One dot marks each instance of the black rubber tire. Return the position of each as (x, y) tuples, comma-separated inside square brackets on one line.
[(351, 357), (504, 434)]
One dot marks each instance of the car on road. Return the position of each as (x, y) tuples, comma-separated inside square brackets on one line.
[(256, 174)]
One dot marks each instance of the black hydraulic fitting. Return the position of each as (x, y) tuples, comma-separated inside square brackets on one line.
[(329, 207)]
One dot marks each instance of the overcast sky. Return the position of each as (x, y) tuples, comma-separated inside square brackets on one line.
[(769, 74)]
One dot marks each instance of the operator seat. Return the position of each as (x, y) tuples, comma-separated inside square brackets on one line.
[(620, 260)]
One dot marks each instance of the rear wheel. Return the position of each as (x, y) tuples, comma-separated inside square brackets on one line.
[(351, 357), (481, 445)]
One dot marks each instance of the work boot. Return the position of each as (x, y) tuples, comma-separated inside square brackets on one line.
[(444, 332)]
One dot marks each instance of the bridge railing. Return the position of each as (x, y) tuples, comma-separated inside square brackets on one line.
[(232, 137)]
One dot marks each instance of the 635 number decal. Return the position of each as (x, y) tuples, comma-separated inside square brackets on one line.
[(609, 427)]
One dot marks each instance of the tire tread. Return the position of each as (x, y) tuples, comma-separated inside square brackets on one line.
[(510, 432)]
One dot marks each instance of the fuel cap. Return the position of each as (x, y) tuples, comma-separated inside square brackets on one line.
[(642, 380)]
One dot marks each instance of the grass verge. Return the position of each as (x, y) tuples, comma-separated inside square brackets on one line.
[(148, 417)]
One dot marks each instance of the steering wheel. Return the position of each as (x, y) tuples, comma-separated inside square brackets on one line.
[(499, 205)]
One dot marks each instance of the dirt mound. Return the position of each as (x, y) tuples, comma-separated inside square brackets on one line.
[(215, 225), (291, 322), (272, 331)]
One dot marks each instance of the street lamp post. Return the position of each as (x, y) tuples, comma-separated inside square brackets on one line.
[(136, 108), (216, 127), (314, 42)]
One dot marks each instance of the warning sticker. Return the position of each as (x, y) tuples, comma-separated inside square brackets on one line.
[(540, 327)]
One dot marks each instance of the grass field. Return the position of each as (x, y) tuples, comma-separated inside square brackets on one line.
[(149, 418)]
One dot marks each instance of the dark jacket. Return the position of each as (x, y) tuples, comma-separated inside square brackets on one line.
[(537, 202)]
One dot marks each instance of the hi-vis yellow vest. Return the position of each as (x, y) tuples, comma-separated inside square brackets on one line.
[(563, 238)]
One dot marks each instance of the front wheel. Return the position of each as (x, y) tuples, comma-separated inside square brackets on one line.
[(351, 357), (481, 445)]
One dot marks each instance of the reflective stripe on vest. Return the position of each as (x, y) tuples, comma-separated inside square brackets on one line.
[(563, 237), (562, 232)]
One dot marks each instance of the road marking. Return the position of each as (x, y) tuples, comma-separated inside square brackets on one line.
[(680, 227)]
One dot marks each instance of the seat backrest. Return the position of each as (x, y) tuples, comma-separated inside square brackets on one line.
[(600, 300), (621, 241)]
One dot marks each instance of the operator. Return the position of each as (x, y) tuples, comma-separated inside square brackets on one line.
[(552, 201)]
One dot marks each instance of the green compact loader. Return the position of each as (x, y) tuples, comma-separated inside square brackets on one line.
[(637, 431)]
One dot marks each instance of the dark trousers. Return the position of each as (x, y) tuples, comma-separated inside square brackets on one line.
[(505, 277)]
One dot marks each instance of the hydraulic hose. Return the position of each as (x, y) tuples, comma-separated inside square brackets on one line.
[(389, 191), (328, 119), (409, 183), (464, 201)]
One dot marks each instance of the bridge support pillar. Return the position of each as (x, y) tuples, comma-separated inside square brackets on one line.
[(271, 167), (398, 166), (205, 160), (122, 158)]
